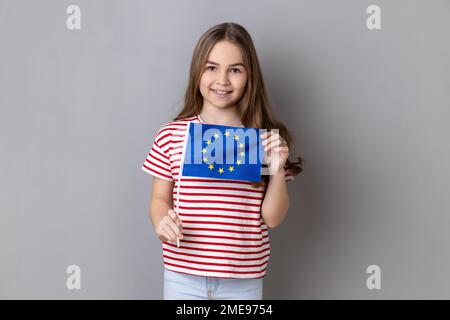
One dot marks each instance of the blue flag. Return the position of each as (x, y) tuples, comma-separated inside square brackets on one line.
[(223, 152)]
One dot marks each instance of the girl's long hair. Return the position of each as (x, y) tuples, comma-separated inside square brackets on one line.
[(254, 105)]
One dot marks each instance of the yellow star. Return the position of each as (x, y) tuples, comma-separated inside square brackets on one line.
[(231, 168), (211, 166), (241, 145), (216, 135), (227, 133), (204, 150), (236, 137), (242, 153), (208, 142), (220, 170), (205, 159), (238, 162)]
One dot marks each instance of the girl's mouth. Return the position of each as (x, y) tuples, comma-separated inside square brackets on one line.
[(220, 94)]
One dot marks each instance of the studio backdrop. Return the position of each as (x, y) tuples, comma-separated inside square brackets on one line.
[(363, 86)]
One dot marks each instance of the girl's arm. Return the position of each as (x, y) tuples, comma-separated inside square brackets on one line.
[(276, 201), (165, 221)]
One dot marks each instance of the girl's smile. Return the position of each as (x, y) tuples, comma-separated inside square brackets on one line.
[(221, 94)]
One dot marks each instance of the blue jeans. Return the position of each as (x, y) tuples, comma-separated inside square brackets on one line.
[(181, 286)]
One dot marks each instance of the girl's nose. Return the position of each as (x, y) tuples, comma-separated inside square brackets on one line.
[(223, 78)]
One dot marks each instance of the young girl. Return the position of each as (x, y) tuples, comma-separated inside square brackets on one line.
[(221, 225)]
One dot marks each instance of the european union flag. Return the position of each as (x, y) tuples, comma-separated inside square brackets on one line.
[(223, 152)]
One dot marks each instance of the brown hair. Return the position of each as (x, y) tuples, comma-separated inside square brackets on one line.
[(254, 105)]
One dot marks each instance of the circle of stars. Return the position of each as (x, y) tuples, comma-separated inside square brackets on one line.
[(220, 169)]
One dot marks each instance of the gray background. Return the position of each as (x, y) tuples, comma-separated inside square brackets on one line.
[(368, 110)]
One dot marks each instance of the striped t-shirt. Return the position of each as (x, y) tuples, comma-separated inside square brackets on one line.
[(224, 234)]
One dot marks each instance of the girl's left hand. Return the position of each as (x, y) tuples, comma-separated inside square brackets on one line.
[(276, 151)]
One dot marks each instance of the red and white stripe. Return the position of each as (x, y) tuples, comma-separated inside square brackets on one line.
[(224, 234)]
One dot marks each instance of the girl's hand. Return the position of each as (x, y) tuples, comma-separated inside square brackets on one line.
[(170, 227), (276, 151)]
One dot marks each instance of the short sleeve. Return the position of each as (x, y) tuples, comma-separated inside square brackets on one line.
[(157, 162)]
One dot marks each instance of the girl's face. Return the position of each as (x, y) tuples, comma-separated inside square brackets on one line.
[(224, 78)]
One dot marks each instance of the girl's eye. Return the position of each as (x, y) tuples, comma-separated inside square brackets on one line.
[(235, 70)]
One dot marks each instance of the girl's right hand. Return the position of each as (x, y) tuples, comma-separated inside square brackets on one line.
[(170, 227)]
